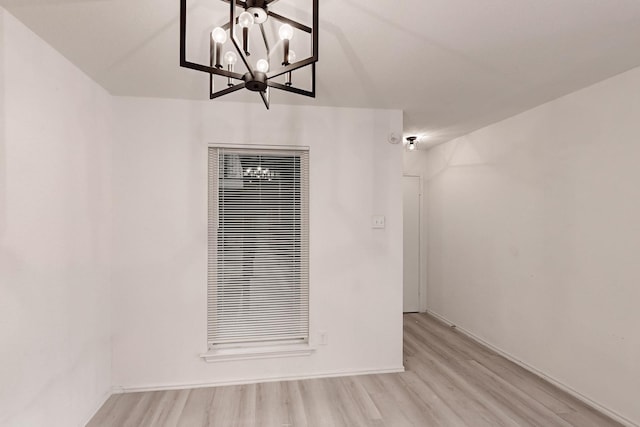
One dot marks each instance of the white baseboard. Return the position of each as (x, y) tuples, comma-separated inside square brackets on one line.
[(592, 403), (102, 401), (181, 386)]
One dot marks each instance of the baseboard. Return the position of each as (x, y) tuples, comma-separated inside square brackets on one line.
[(181, 386), (584, 399), (102, 401)]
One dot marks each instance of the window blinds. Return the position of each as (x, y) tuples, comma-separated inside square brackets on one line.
[(258, 278)]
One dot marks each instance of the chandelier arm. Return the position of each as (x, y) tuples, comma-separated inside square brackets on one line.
[(290, 67), (240, 3), (209, 70), (183, 33), (291, 89), (225, 73), (291, 22), (227, 91), (238, 45), (313, 79), (266, 98), (264, 38), (240, 50), (315, 37)]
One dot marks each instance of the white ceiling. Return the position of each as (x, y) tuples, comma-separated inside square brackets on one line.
[(452, 66)]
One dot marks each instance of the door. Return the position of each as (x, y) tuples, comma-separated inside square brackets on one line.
[(411, 223)]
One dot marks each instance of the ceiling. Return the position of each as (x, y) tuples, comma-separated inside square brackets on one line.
[(452, 66)]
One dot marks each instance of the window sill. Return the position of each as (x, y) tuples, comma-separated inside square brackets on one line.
[(250, 353)]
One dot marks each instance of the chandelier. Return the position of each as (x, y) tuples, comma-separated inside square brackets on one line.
[(260, 173), (253, 50)]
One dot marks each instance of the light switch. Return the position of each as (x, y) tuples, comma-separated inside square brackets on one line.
[(377, 221), (324, 337)]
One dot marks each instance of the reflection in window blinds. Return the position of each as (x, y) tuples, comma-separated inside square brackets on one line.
[(258, 280)]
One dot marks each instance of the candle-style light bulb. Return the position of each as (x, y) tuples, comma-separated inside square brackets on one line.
[(289, 60), (245, 20), (262, 66), (219, 35), (285, 32), (230, 58)]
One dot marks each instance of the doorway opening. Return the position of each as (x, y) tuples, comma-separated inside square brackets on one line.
[(412, 204)]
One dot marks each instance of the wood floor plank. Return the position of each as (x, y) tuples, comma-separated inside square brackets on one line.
[(452, 387), (108, 411), (345, 410), (166, 409), (294, 406), (247, 405), (537, 389), (269, 412), (586, 418), (450, 380), (232, 406), (196, 409), (462, 399), (525, 381), (150, 416), (361, 399), (444, 415), (499, 394), (317, 404), (125, 407), (138, 412), (410, 403), (391, 412)]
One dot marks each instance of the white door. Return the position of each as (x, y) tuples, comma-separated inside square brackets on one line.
[(411, 220)]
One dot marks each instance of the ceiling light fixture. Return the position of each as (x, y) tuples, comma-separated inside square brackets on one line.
[(411, 140), (262, 76)]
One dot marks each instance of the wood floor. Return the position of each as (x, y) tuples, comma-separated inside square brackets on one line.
[(449, 381)]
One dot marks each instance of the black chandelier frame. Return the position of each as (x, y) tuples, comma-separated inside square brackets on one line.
[(253, 80)]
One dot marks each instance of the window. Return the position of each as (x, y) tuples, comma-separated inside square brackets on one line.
[(258, 278)]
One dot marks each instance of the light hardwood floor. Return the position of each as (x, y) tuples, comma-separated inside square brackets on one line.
[(450, 380)]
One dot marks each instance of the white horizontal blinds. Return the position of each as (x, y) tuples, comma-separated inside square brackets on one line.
[(258, 246)]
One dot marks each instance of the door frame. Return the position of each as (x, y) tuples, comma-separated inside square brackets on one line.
[(422, 249)]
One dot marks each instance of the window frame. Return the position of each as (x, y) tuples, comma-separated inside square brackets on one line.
[(265, 349)]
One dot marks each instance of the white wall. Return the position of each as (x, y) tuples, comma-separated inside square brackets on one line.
[(160, 227), (534, 238), (54, 235)]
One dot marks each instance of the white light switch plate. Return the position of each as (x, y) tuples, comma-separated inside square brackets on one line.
[(377, 221), (323, 337)]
